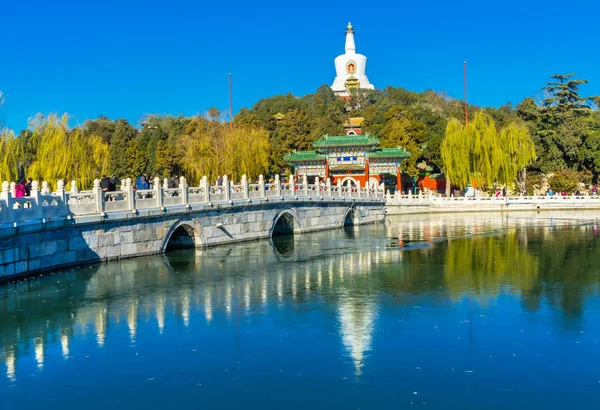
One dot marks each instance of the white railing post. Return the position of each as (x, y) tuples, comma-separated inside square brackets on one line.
[(368, 188), (35, 199), (130, 195), (292, 185), (305, 182), (261, 185), (328, 187), (98, 196), (245, 187), (277, 185), (5, 195), (317, 186), (388, 196), (358, 189), (183, 188), (226, 188), (206, 187), (158, 193), (13, 189), (60, 192), (339, 185), (73, 189), (45, 188), (165, 184)]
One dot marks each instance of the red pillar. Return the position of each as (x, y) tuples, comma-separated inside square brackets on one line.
[(367, 172), (399, 180), (326, 170)]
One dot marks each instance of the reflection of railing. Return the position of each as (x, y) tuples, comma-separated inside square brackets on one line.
[(42, 204), (436, 200)]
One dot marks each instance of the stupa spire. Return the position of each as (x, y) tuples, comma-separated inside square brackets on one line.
[(350, 47)]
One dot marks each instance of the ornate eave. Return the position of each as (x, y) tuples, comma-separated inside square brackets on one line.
[(346, 141), (388, 153), (305, 156)]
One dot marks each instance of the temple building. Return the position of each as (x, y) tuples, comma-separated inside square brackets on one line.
[(350, 159), (350, 69)]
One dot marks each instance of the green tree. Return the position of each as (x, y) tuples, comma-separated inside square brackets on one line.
[(479, 152), (123, 134), (403, 130)]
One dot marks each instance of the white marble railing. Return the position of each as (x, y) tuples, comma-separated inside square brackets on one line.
[(436, 200), (43, 204)]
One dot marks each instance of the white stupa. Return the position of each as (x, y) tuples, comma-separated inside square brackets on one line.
[(350, 69)]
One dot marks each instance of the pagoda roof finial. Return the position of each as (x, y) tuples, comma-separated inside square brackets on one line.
[(349, 29)]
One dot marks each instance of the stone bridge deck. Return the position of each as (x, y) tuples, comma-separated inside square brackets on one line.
[(53, 230)]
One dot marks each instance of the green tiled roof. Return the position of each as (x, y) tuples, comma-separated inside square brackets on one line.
[(389, 153), (345, 141), (300, 156)]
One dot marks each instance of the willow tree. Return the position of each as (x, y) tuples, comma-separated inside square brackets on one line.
[(11, 150), (478, 153), (210, 148), (66, 154), (455, 155), (516, 153)]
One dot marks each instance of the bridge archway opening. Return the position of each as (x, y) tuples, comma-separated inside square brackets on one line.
[(284, 225), (349, 219), (182, 238)]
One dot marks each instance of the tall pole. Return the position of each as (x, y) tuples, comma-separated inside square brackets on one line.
[(466, 103), (230, 105)]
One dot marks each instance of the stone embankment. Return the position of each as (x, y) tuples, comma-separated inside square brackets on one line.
[(50, 230), (409, 204)]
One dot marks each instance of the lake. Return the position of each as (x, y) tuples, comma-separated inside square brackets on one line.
[(462, 311)]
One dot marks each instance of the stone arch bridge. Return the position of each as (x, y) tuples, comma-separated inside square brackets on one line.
[(47, 230)]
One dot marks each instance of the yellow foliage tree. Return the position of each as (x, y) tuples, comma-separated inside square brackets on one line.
[(478, 151), (66, 154), (210, 148), (10, 154)]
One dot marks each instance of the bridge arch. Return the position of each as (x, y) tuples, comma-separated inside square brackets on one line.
[(182, 234), (286, 221), (350, 217)]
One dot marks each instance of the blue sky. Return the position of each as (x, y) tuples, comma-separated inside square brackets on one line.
[(123, 58)]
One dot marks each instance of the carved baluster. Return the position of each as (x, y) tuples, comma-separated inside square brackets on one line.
[(261, 185), (5, 196), (13, 190), (305, 183), (227, 188), (130, 195), (277, 186), (158, 193), (73, 189), (328, 187), (60, 192), (206, 187), (45, 188), (245, 187), (339, 185), (292, 185), (183, 187), (98, 196)]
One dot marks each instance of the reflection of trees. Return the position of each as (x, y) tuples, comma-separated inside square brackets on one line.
[(348, 272), (570, 270), (485, 264)]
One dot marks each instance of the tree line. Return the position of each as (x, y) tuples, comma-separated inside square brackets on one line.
[(559, 134)]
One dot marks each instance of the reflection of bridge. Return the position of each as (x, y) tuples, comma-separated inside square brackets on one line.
[(209, 284), (50, 230)]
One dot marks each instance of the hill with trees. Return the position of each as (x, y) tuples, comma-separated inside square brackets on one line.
[(564, 127)]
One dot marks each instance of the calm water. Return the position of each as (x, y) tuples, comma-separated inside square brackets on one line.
[(483, 311)]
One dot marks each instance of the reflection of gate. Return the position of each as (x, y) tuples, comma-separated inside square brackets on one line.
[(348, 181)]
